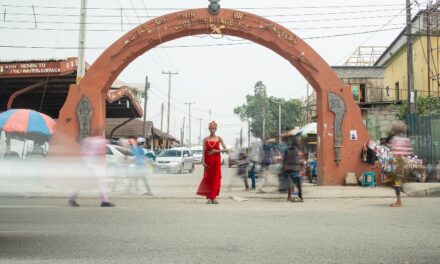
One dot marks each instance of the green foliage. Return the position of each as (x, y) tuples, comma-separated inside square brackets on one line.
[(425, 106), (259, 103), (428, 105)]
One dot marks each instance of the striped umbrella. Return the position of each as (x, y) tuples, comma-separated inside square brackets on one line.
[(29, 123)]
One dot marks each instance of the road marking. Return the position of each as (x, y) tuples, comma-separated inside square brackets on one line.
[(24, 231), (30, 206)]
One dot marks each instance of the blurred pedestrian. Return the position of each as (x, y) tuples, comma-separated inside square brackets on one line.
[(242, 164), (139, 168), (265, 164), (93, 151), (211, 160), (401, 147), (293, 165), (255, 158)]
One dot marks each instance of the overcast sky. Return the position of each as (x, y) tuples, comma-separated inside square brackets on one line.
[(213, 77)]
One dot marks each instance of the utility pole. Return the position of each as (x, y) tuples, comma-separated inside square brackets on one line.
[(189, 122), (81, 68), (428, 44), (169, 97), (249, 133), (183, 131), (144, 128), (264, 124), (279, 122), (307, 106), (209, 120), (409, 58), (200, 131), (241, 137), (161, 117)]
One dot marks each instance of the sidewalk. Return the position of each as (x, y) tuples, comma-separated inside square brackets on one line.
[(310, 191)]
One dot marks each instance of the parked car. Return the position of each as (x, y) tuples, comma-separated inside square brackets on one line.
[(118, 159), (233, 157), (175, 159), (197, 152), (225, 157), (149, 154)]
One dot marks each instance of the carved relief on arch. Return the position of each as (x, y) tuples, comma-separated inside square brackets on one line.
[(84, 114)]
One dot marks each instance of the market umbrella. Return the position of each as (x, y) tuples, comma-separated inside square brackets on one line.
[(310, 128), (28, 123)]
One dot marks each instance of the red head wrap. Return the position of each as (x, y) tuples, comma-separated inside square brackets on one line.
[(212, 124)]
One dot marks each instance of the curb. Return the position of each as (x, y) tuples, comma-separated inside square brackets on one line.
[(225, 196), (433, 192)]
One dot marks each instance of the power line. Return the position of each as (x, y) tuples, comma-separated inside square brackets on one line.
[(180, 110), (136, 24), (195, 45), (195, 108), (380, 29), (183, 8), (127, 30), (152, 16), (156, 61)]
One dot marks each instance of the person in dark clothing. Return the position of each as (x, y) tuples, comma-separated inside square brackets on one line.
[(293, 164), (368, 155), (265, 164), (242, 165)]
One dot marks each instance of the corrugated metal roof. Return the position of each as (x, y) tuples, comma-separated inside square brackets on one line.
[(35, 60), (362, 72)]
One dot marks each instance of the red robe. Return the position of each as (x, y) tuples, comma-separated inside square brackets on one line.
[(210, 185)]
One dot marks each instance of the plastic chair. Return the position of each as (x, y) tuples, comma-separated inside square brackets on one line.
[(368, 179)]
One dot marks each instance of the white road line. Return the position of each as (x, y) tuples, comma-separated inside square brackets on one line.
[(31, 206)]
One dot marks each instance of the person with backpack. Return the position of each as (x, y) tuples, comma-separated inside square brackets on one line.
[(293, 165)]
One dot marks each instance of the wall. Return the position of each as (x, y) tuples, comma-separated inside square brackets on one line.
[(372, 77), (396, 70), (379, 120)]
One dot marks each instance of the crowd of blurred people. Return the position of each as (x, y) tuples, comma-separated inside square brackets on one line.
[(262, 159)]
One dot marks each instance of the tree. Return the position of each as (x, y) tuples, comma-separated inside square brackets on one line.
[(259, 103)]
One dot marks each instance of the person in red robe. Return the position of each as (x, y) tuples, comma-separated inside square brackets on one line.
[(211, 160)]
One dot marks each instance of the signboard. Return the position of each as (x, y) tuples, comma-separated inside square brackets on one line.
[(37, 68)]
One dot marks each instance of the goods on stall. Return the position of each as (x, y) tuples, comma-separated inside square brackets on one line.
[(414, 168), (437, 171)]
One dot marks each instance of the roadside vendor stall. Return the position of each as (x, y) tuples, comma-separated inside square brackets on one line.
[(309, 139), (414, 169)]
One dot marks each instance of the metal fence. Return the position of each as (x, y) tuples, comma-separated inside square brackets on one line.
[(424, 131), (373, 127)]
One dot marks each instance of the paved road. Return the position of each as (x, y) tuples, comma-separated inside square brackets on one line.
[(45, 230)]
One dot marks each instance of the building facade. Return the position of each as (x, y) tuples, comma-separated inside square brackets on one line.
[(426, 67)]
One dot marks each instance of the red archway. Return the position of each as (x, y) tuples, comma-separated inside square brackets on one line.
[(84, 110)]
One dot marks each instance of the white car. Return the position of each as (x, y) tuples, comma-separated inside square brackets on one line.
[(197, 153), (225, 157), (118, 159), (175, 159)]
